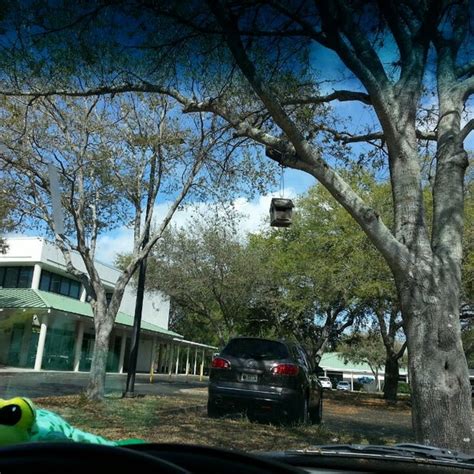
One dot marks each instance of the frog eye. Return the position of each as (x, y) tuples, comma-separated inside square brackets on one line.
[(10, 415)]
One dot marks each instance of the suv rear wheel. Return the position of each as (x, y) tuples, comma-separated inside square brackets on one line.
[(300, 414), (213, 411), (316, 414)]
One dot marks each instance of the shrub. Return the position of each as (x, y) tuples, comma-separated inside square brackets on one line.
[(403, 387)]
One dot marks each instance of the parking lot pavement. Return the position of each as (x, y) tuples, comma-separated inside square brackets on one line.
[(44, 384)]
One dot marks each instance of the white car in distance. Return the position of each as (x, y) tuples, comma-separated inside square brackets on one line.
[(325, 382), (342, 385)]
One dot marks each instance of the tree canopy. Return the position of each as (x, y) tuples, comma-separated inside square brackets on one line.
[(253, 67)]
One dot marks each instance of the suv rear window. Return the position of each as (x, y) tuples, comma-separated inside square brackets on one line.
[(256, 349)]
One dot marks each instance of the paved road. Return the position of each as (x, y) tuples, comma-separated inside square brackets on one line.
[(44, 384)]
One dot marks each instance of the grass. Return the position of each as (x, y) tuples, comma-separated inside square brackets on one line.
[(160, 419), (370, 399)]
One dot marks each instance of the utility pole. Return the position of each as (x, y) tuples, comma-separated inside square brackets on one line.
[(132, 364)]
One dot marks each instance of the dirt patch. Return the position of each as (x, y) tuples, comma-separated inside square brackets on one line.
[(368, 399)]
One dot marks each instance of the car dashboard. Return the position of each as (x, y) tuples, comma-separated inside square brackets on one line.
[(184, 459)]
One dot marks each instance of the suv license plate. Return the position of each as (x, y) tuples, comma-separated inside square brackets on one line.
[(248, 378)]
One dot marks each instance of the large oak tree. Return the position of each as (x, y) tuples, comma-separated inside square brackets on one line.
[(404, 57)]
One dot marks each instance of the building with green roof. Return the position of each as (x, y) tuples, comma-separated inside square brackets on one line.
[(46, 321), (336, 368)]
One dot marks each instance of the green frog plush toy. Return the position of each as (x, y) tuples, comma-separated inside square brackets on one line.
[(21, 421)]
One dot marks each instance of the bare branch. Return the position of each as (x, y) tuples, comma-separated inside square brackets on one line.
[(133, 265), (467, 88), (400, 353), (360, 57), (346, 137), (467, 70), (348, 323), (143, 86), (66, 251), (341, 96), (466, 130), (400, 30), (306, 26), (95, 224)]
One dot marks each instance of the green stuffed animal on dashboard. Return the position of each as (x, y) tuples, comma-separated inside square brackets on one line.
[(21, 421)]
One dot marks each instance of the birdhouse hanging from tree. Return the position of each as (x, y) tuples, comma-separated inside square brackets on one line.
[(281, 211)]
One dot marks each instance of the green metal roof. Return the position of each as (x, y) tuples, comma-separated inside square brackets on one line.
[(37, 299), (62, 303), (335, 361)]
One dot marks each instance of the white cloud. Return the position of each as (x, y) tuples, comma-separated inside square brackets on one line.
[(116, 242), (254, 217)]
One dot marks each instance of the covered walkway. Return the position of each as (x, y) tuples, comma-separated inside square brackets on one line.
[(46, 331)]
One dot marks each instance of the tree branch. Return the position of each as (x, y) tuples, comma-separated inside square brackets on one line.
[(346, 137), (143, 86), (400, 353), (308, 159), (466, 130), (340, 95), (132, 266), (384, 332), (467, 88), (465, 70), (360, 57), (400, 31), (349, 322)]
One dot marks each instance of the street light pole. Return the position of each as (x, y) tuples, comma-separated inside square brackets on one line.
[(132, 364)]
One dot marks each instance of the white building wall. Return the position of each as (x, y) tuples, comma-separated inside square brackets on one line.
[(26, 250), (31, 250), (156, 306), (53, 257), (144, 355)]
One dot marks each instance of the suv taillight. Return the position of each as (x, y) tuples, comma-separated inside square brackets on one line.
[(285, 369), (220, 363)]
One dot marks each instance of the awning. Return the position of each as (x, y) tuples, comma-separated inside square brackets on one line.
[(27, 298), (334, 362), (194, 344)]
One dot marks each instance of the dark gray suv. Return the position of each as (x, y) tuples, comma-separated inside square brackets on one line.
[(267, 379)]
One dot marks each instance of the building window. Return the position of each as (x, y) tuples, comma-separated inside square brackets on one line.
[(16, 277), (64, 288), (55, 283), (59, 284), (75, 290), (45, 281)]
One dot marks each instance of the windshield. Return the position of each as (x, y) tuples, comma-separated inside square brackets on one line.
[(239, 224)]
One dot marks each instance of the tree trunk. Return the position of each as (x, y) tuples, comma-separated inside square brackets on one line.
[(390, 386), (441, 393), (96, 386), (320, 347)]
